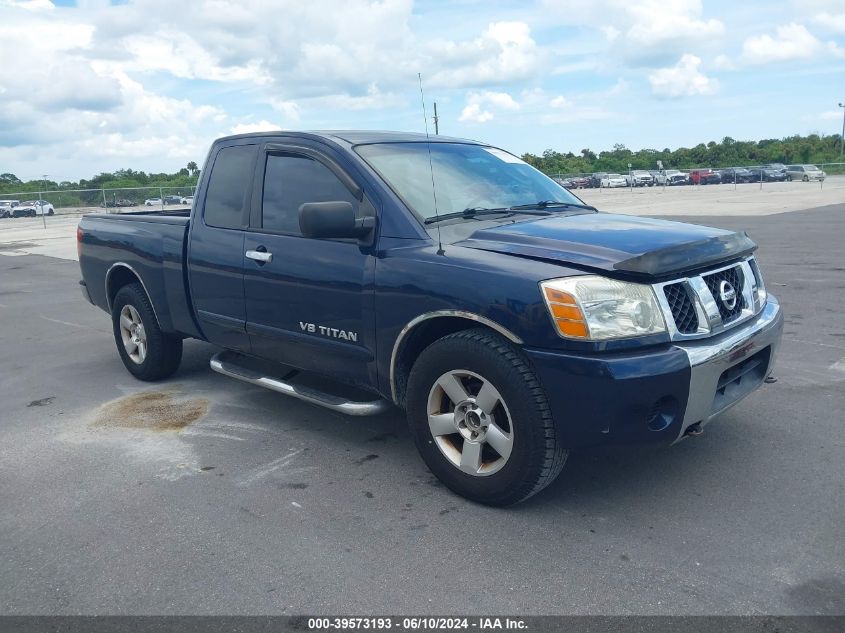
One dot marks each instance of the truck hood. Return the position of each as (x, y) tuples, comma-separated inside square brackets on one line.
[(636, 246)]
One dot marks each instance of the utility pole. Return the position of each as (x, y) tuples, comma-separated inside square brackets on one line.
[(842, 138), (437, 120)]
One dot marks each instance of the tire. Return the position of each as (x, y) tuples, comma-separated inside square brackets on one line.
[(160, 354), (519, 415), (806, 179), (51, 212), (789, 179)]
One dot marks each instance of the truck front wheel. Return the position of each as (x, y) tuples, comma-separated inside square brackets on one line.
[(147, 352), (480, 419)]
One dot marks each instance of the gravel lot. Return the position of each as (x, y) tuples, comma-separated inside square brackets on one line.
[(205, 495)]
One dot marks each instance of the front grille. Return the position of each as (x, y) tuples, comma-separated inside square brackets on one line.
[(682, 306), (735, 278)]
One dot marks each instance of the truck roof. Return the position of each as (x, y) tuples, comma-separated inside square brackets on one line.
[(356, 137)]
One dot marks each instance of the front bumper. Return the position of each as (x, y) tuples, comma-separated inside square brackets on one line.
[(727, 368), (656, 395)]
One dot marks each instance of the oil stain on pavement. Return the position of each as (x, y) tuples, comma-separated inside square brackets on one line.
[(150, 410)]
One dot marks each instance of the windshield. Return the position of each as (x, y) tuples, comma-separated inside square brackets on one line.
[(465, 177)]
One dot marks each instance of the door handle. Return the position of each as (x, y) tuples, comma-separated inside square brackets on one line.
[(259, 256)]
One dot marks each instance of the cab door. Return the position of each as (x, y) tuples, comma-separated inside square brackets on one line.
[(309, 302), (216, 246)]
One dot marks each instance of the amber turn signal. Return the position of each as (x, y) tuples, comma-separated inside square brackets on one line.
[(568, 317)]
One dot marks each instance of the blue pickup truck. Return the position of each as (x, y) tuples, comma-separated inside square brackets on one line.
[(510, 320)]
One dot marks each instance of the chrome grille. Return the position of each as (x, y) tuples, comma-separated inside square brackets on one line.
[(682, 307), (693, 306), (734, 277)]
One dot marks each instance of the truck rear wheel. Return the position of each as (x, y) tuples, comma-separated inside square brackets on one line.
[(480, 419), (147, 352)]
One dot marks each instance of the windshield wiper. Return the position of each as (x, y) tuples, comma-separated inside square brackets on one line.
[(471, 212), (545, 204)]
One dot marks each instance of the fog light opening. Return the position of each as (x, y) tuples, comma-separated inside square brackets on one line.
[(662, 414)]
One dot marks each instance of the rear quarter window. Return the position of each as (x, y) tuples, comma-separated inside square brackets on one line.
[(228, 186)]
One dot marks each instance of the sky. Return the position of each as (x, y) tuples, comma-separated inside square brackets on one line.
[(88, 86)]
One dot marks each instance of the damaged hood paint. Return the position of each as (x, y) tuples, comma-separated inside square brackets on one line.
[(615, 243)]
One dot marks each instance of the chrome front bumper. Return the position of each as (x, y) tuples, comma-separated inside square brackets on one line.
[(726, 368)]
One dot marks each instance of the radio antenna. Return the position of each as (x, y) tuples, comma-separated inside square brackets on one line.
[(430, 165)]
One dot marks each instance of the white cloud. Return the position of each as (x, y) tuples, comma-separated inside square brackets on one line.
[(684, 79), (723, 62), (791, 41), (260, 126), (475, 111), (171, 51), (373, 99), (504, 53), (831, 21), (830, 115), (538, 107), (29, 5), (289, 109), (472, 112), (610, 32), (641, 29)]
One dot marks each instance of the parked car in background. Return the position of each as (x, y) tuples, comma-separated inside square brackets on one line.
[(804, 172), (735, 174), (580, 182), (119, 202), (32, 208), (596, 178), (672, 177), (42, 207), (614, 180), (704, 177), (777, 166), (642, 178), (766, 174), (172, 199), (6, 207)]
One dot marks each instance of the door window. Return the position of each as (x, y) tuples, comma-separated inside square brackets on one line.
[(230, 180), (291, 180)]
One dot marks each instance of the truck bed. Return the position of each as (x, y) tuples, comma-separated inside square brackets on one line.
[(152, 246)]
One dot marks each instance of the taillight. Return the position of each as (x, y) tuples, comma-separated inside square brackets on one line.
[(79, 235)]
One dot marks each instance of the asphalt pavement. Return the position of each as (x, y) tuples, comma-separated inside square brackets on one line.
[(204, 495)]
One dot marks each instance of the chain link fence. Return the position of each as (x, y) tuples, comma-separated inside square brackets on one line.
[(81, 201)]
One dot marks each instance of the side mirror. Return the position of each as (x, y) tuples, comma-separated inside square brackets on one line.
[(333, 220)]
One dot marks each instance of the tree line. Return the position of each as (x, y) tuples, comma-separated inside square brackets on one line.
[(812, 149), (120, 179)]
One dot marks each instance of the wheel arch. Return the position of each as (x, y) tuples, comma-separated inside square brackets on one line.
[(422, 331), (121, 274)]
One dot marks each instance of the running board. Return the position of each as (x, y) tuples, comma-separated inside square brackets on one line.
[(233, 365)]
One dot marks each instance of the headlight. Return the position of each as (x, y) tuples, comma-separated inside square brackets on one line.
[(758, 288), (597, 308)]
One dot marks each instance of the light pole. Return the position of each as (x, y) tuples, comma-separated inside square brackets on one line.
[(842, 138)]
